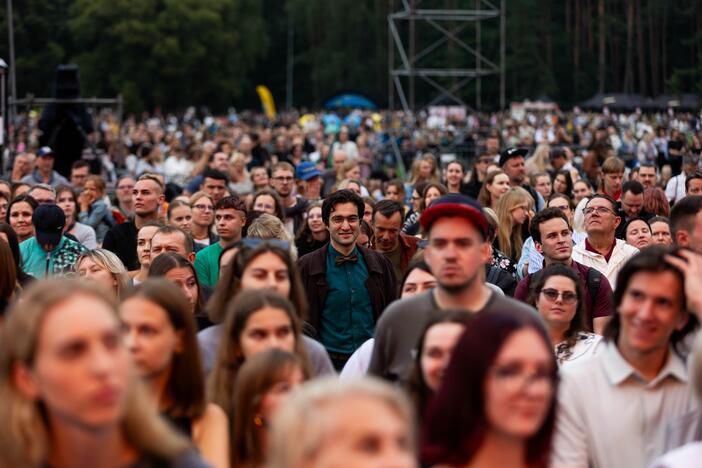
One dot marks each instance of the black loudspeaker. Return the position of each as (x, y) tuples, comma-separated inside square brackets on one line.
[(65, 126)]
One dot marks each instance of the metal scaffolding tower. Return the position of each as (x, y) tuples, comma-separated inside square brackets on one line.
[(453, 27)]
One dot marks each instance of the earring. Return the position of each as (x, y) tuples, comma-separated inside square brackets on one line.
[(258, 420)]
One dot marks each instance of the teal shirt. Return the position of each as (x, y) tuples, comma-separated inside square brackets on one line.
[(39, 263), (347, 319), (207, 264)]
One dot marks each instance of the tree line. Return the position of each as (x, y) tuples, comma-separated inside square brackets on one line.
[(174, 53)]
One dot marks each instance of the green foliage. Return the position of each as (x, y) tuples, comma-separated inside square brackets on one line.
[(169, 53), (176, 53)]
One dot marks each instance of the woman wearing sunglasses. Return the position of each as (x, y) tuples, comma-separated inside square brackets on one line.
[(558, 297)]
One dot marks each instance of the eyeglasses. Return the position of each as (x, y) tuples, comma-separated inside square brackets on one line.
[(204, 207), (514, 378), (283, 179), (255, 242), (568, 297), (339, 220), (600, 210), (560, 207)]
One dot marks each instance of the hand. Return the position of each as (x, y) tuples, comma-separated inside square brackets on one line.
[(690, 263), (85, 199)]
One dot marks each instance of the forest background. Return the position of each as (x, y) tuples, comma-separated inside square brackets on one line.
[(175, 53)]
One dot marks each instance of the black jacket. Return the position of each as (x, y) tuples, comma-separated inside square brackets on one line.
[(381, 283)]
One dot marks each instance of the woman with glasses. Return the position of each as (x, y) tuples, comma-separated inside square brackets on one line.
[(504, 374), (557, 295), (203, 219)]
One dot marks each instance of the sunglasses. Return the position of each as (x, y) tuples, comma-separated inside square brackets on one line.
[(568, 297)]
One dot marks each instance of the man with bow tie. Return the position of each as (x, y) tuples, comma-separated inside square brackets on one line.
[(347, 285)]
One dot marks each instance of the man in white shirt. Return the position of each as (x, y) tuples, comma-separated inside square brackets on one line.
[(601, 250), (675, 190), (613, 409)]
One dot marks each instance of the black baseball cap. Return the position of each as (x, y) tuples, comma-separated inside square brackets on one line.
[(510, 153), (48, 221), (455, 204)]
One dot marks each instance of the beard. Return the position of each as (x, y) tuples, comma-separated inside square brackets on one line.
[(458, 288)]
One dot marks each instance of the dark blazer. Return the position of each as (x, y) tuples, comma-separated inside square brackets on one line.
[(381, 283)]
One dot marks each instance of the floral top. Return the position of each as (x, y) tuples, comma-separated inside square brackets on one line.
[(502, 261), (586, 345)]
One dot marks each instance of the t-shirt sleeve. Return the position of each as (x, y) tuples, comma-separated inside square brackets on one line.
[(604, 306), (201, 268), (522, 290)]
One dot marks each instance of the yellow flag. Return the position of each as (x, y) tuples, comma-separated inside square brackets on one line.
[(266, 101)]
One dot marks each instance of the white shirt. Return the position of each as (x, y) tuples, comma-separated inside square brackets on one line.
[(586, 346), (621, 253), (609, 416), (687, 456), (675, 190)]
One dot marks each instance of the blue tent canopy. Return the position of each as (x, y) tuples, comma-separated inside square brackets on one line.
[(355, 101)]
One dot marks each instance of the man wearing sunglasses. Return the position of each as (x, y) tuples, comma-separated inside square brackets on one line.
[(601, 249), (552, 237)]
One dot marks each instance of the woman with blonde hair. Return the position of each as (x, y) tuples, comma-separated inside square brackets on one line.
[(70, 397), (424, 170), (269, 227), (514, 209), (240, 179), (349, 170), (538, 162), (104, 267)]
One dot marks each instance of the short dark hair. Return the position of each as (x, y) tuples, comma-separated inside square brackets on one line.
[(659, 219), (341, 196), (231, 202), (690, 178), (633, 186), (541, 217), (210, 173), (649, 260), (387, 208), (604, 196), (81, 163), (683, 213), (168, 229), (648, 164)]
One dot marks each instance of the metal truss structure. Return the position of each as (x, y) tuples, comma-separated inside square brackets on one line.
[(452, 24)]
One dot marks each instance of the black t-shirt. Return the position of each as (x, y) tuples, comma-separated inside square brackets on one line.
[(122, 241)]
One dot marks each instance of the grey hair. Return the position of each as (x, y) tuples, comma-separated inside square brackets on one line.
[(305, 415)]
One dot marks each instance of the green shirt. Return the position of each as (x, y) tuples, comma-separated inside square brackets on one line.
[(207, 264), (347, 319)]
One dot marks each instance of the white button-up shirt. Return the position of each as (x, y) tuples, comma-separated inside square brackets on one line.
[(609, 416)]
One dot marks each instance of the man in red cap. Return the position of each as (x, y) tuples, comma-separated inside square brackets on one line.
[(456, 253)]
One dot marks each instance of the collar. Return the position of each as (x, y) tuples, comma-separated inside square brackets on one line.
[(333, 253), (590, 248), (619, 370)]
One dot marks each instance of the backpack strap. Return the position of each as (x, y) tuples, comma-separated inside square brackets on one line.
[(594, 278)]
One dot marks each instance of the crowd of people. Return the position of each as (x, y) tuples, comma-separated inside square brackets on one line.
[(504, 290)]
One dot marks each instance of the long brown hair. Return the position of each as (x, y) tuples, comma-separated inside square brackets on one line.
[(185, 387), (229, 283), (25, 439), (168, 261), (229, 357), (255, 378)]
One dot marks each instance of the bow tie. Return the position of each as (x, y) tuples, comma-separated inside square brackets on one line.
[(340, 260)]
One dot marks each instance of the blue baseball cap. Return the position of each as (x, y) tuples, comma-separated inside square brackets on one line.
[(45, 151), (306, 170)]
